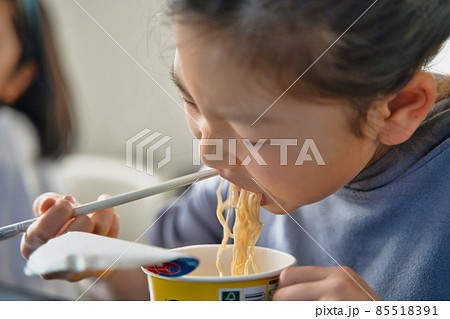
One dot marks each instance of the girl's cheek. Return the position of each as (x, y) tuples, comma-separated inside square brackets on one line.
[(279, 156), (193, 126)]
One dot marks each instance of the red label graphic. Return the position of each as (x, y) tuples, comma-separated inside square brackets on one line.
[(168, 268)]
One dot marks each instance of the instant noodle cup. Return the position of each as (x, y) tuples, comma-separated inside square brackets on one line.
[(204, 283)]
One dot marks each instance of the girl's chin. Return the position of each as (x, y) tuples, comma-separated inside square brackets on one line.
[(272, 207)]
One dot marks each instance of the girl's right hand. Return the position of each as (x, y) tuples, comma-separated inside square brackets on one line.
[(55, 218)]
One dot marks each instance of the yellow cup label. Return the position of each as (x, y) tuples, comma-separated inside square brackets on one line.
[(166, 289)]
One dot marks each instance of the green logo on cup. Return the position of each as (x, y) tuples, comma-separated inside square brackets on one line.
[(230, 294)]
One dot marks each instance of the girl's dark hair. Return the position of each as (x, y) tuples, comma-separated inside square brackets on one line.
[(375, 56), (46, 102)]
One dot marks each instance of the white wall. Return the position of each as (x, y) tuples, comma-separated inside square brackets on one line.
[(114, 97), (441, 64)]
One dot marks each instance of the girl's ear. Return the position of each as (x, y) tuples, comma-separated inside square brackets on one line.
[(408, 108), (19, 82)]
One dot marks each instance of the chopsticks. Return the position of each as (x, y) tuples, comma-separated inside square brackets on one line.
[(21, 227)]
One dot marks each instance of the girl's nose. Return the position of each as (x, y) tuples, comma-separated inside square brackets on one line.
[(217, 149), (219, 153)]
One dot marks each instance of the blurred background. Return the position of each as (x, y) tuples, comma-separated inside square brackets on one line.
[(116, 57)]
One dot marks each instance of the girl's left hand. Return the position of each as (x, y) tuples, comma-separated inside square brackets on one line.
[(322, 283)]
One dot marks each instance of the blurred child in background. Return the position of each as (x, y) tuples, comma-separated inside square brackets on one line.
[(35, 125)]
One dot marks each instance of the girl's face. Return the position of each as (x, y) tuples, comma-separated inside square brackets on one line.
[(223, 100), (10, 48)]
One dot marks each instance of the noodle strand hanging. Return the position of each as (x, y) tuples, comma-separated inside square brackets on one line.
[(246, 230)]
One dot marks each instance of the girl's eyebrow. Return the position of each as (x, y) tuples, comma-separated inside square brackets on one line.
[(180, 86)]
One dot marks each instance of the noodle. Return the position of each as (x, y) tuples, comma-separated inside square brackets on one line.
[(246, 230)]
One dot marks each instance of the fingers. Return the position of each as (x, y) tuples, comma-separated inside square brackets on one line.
[(71, 199), (301, 283), (105, 221), (47, 226), (323, 283), (114, 231), (56, 213), (81, 223), (309, 291), (295, 275), (73, 277), (49, 198), (55, 218)]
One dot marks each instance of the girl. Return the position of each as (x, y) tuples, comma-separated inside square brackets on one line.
[(34, 123), (369, 224)]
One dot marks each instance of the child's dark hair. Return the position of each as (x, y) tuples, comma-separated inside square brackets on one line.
[(46, 102), (377, 56)]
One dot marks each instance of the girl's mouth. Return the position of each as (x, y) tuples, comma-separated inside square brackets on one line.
[(263, 200), (263, 197)]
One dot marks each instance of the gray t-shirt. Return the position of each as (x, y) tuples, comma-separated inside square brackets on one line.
[(391, 224)]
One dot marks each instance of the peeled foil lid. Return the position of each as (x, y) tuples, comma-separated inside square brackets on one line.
[(78, 252)]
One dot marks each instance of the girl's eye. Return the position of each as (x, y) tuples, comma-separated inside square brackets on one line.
[(190, 103)]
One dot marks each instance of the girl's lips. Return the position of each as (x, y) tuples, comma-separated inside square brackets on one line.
[(263, 200), (263, 197), (231, 180)]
